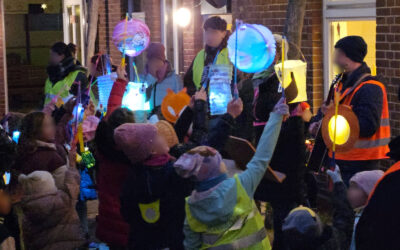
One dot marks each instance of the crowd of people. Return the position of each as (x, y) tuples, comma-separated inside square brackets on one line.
[(168, 185)]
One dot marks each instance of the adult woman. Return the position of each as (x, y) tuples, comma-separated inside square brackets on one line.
[(63, 73), (160, 76), (216, 37)]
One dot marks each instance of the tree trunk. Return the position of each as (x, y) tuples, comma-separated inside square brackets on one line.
[(93, 11), (294, 26)]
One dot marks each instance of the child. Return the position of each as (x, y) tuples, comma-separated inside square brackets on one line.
[(361, 186), (153, 197), (113, 169), (37, 148), (50, 218), (303, 229), (221, 213)]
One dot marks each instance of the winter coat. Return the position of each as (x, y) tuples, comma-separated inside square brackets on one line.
[(147, 184), (47, 157), (116, 96), (156, 91), (197, 116), (58, 72), (290, 143), (50, 219), (378, 227), (111, 228), (215, 206)]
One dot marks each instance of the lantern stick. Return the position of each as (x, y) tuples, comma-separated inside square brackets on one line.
[(80, 138), (125, 35), (204, 86), (136, 71), (336, 103), (235, 90), (283, 65)]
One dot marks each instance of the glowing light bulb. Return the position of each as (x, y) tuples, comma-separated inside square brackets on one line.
[(182, 17), (342, 130), (44, 6)]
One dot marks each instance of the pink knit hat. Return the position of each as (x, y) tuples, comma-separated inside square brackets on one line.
[(135, 140), (202, 162), (89, 126), (366, 180)]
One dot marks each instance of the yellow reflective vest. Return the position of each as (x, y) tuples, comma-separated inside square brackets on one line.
[(61, 87), (245, 229), (198, 64)]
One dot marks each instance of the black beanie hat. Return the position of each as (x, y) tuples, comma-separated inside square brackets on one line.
[(354, 47)]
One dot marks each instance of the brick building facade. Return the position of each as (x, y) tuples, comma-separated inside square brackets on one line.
[(3, 73), (271, 13)]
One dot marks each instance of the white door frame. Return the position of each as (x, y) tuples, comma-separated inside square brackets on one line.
[(175, 36), (339, 11), (67, 38)]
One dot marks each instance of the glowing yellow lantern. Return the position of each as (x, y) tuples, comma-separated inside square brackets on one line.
[(347, 128)]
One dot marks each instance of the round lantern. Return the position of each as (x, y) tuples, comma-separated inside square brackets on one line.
[(347, 128), (256, 48), (131, 37), (173, 104)]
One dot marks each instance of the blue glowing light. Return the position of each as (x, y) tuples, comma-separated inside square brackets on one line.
[(256, 48), (15, 136), (135, 97), (104, 84), (6, 178)]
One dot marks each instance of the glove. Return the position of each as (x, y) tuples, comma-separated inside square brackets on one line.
[(335, 175)]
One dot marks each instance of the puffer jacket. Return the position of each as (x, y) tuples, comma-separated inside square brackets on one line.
[(50, 219)]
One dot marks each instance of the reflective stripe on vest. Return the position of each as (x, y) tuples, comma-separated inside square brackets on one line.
[(392, 169), (62, 86), (376, 146), (245, 228), (198, 64)]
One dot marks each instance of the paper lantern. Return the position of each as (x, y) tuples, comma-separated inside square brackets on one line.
[(294, 81), (347, 128), (104, 85), (131, 37), (173, 104), (255, 46), (135, 97), (15, 136), (220, 93)]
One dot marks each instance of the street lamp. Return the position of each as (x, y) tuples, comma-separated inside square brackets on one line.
[(182, 17)]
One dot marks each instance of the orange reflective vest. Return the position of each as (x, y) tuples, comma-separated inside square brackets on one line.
[(374, 147), (392, 169)]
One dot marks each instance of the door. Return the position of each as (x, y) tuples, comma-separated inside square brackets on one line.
[(75, 26)]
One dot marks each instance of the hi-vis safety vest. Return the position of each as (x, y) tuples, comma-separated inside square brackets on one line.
[(374, 147), (245, 229), (63, 85), (198, 64)]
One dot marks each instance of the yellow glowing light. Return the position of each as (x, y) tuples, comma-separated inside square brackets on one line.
[(342, 129), (182, 17), (44, 6)]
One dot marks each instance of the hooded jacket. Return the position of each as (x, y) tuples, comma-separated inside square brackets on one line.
[(215, 206), (50, 219)]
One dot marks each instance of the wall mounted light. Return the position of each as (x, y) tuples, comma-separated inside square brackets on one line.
[(182, 17)]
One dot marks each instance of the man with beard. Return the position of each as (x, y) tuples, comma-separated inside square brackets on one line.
[(367, 97)]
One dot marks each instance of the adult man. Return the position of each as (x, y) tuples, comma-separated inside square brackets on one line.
[(367, 97)]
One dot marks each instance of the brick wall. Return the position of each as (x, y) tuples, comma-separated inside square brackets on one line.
[(388, 54), (272, 13), (153, 18), (110, 13), (3, 86)]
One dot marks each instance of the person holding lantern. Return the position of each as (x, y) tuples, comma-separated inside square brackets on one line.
[(367, 97), (215, 52)]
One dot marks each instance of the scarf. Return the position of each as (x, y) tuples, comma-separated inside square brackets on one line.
[(157, 160), (60, 71)]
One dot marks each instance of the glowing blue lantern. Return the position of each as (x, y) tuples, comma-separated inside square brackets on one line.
[(220, 88), (104, 84), (15, 136), (6, 178), (135, 97), (256, 47)]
